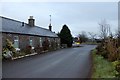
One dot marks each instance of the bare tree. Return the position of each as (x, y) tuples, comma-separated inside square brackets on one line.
[(117, 34), (92, 35), (83, 36), (104, 29)]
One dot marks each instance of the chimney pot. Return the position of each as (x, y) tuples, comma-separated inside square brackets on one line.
[(31, 21), (31, 17)]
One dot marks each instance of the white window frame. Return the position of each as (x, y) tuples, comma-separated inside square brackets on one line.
[(40, 41), (49, 40), (31, 41), (16, 40)]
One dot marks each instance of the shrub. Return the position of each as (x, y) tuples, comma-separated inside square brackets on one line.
[(9, 51), (28, 50), (105, 53), (112, 49), (38, 49), (117, 67), (109, 50), (101, 50), (45, 45), (118, 53)]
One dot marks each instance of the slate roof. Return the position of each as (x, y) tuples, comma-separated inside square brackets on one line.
[(13, 26)]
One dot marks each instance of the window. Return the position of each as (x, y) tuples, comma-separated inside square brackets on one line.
[(40, 42), (31, 41), (16, 42), (49, 40)]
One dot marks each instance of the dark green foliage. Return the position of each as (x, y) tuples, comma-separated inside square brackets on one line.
[(65, 36)]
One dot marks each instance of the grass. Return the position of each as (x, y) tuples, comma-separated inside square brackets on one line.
[(101, 67)]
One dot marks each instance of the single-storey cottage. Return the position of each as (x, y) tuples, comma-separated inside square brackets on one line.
[(23, 35)]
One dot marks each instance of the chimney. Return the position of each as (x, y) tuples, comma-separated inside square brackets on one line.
[(31, 21), (50, 27)]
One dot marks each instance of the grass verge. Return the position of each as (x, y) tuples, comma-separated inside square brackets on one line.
[(101, 67)]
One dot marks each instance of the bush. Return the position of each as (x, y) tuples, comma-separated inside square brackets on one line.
[(109, 50), (104, 53), (111, 47), (118, 53), (101, 50), (28, 49), (45, 45), (117, 67), (38, 49), (9, 51)]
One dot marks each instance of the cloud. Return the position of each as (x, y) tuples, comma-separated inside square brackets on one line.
[(78, 16), (59, 0)]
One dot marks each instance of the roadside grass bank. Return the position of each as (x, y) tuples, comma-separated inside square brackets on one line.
[(102, 68)]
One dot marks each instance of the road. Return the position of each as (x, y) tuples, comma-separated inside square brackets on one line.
[(64, 63)]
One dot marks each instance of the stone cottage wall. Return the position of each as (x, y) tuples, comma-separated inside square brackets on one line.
[(36, 41), (24, 41)]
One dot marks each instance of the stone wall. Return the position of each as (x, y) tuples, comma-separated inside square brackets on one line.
[(23, 41)]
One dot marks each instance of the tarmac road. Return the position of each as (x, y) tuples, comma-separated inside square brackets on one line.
[(65, 63)]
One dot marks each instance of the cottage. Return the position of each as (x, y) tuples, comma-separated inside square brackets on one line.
[(23, 35)]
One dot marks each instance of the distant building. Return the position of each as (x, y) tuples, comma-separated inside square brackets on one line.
[(27, 34)]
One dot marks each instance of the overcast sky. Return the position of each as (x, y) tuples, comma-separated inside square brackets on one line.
[(79, 16)]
